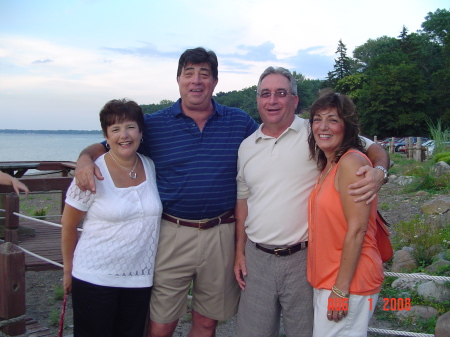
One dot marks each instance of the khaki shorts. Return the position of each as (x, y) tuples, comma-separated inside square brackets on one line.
[(204, 256)]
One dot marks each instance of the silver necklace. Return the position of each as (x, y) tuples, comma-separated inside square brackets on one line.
[(132, 173)]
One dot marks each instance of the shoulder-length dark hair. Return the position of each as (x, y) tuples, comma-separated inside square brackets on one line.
[(347, 110)]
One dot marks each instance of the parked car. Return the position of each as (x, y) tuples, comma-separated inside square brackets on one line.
[(429, 147), (386, 142), (402, 143)]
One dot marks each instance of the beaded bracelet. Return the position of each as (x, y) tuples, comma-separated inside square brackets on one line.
[(340, 293)]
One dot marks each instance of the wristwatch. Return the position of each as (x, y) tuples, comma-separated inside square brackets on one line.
[(386, 173)]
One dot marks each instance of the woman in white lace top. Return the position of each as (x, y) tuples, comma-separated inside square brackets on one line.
[(109, 269)]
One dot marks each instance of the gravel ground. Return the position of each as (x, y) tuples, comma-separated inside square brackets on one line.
[(42, 305)]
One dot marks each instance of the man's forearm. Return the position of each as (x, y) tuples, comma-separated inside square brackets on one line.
[(93, 151), (240, 214), (378, 156)]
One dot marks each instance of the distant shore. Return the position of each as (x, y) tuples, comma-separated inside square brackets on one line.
[(51, 131)]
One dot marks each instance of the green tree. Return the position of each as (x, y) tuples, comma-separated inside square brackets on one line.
[(437, 25), (151, 108), (244, 99), (307, 90), (375, 52), (342, 66), (393, 103), (351, 86)]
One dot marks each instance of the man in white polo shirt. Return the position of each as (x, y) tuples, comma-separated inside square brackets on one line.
[(275, 178)]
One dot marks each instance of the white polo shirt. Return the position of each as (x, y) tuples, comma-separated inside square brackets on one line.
[(276, 176)]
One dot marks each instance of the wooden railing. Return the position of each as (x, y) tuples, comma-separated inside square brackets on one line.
[(12, 260)]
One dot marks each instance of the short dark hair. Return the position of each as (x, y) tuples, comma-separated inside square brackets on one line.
[(347, 110), (121, 110), (196, 56)]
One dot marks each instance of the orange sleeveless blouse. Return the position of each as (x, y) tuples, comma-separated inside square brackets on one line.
[(326, 232)]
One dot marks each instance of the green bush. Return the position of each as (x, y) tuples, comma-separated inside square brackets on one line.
[(446, 159), (422, 233), (40, 212), (444, 156), (429, 183)]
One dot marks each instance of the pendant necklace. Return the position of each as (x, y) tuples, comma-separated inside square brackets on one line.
[(132, 173), (326, 174)]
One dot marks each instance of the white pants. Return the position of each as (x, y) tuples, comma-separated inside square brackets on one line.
[(353, 325)]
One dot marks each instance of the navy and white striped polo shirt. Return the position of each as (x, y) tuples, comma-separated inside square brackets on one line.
[(196, 171)]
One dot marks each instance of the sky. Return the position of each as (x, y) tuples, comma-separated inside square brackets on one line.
[(62, 60)]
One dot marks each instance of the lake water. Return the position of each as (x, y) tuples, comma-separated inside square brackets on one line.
[(44, 147)]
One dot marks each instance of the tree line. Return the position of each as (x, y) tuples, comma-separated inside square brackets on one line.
[(399, 84)]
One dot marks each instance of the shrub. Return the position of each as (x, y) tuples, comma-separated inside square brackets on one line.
[(440, 156), (40, 212), (422, 233)]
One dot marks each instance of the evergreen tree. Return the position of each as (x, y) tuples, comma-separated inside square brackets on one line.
[(342, 66)]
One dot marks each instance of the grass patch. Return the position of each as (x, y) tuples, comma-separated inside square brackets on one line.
[(58, 292), (54, 317), (384, 206)]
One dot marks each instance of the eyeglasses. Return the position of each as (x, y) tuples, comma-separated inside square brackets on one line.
[(279, 93)]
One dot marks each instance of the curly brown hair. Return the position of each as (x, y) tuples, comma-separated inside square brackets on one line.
[(347, 110)]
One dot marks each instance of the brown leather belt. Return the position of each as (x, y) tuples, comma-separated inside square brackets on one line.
[(227, 217), (284, 251)]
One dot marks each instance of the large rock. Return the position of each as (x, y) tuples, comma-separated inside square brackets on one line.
[(442, 255), (437, 266), (437, 206), (441, 168), (405, 180), (443, 326), (407, 283), (417, 312), (435, 291), (403, 261)]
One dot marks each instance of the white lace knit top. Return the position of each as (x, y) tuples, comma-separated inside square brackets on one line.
[(120, 232)]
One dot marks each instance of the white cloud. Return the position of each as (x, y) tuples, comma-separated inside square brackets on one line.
[(60, 61)]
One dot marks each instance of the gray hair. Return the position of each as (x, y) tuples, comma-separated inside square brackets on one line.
[(282, 71)]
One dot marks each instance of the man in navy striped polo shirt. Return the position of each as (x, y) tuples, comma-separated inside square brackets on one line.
[(194, 145)]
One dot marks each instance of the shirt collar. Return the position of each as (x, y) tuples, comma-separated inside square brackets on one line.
[(296, 126), (178, 112)]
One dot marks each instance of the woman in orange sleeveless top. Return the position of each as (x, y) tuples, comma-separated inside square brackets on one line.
[(344, 265)]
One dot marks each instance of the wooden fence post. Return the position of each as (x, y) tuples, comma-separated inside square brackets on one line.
[(409, 147), (11, 220), (419, 153), (12, 287), (391, 146)]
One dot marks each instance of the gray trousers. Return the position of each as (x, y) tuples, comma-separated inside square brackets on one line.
[(275, 286)]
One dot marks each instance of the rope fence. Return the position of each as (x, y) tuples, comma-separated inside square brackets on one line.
[(373, 330), (418, 276), (398, 333), (41, 221)]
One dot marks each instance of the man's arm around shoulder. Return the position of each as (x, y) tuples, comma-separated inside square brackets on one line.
[(86, 169), (367, 188)]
